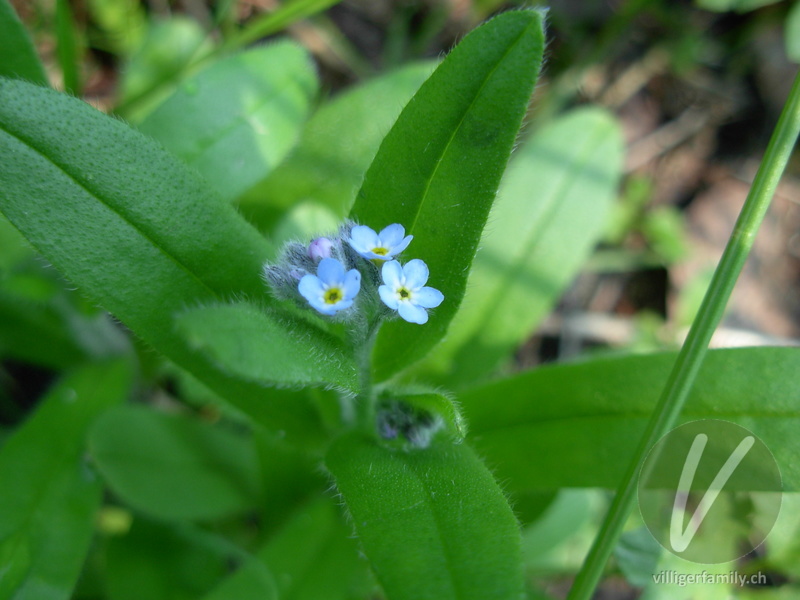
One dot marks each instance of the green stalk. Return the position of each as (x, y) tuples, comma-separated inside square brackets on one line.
[(696, 345), (288, 13)]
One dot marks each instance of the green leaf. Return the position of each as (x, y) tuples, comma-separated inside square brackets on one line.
[(315, 556), (433, 523), (134, 229), (49, 498), (154, 70), (174, 467), (18, 58), (266, 348), (235, 121), (162, 562), (438, 170), (792, 33), (336, 148), (581, 421), (550, 212)]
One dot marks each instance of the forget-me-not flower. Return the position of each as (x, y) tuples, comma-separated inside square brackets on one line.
[(330, 290), (379, 246), (404, 290)]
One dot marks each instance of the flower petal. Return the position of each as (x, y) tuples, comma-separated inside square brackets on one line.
[(352, 284), (391, 235), (392, 274), (416, 272), (428, 297), (310, 287), (342, 305), (321, 306), (413, 313), (402, 245), (330, 271), (363, 238), (388, 296)]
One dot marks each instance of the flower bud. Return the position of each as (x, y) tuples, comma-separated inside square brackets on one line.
[(320, 248)]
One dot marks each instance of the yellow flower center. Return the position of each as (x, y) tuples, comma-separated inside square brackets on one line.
[(332, 295), (404, 293), (381, 251)]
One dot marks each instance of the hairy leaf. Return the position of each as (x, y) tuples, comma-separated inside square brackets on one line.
[(335, 148), (438, 169), (549, 214), (133, 228), (577, 425), (433, 522), (18, 58), (258, 346)]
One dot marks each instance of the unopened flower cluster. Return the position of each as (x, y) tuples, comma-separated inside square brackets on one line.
[(327, 273)]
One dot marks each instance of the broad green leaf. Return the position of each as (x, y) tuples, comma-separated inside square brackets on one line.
[(792, 33), (335, 148), (134, 229), (235, 121), (266, 348), (153, 71), (160, 561), (583, 421), (433, 523), (174, 467), (315, 556), (438, 169), (18, 58), (48, 498), (549, 214), (68, 48)]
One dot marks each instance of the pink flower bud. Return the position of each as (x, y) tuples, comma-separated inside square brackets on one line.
[(320, 248)]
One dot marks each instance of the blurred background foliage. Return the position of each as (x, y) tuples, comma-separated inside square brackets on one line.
[(696, 88)]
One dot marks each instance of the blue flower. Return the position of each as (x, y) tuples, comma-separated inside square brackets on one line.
[(379, 246), (404, 290), (330, 290)]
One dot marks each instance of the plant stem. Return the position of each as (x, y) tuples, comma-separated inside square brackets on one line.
[(364, 401), (696, 345)]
